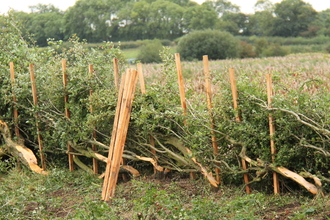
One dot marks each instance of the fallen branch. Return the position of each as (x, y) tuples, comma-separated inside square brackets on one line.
[(91, 154), (283, 171), (24, 154)]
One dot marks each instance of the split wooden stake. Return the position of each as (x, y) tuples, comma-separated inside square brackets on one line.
[(67, 111), (238, 119), (15, 111), (94, 147), (209, 105), (116, 72), (182, 96), (272, 130), (181, 86), (119, 132), (35, 103)]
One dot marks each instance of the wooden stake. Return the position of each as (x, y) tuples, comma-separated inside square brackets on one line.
[(120, 128), (116, 72), (67, 111), (182, 96), (94, 147), (105, 189), (35, 103), (15, 112), (209, 105), (238, 119), (181, 86), (272, 131)]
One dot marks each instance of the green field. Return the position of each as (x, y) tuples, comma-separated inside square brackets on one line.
[(66, 195)]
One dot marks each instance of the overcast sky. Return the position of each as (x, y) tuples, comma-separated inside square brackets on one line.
[(246, 5)]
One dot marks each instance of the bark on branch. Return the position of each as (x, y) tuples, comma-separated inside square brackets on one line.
[(285, 172), (24, 154)]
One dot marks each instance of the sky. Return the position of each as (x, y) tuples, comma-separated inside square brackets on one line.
[(246, 5)]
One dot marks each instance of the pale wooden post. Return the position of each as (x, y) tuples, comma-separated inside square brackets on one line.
[(182, 96), (181, 86), (35, 103), (94, 147), (67, 111), (15, 111), (209, 106), (238, 119), (272, 131), (119, 132), (116, 72)]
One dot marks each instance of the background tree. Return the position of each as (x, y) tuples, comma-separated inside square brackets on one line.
[(45, 21), (216, 44), (223, 6), (293, 17), (149, 53), (323, 22), (234, 23), (261, 23), (199, 17), (167, 20), (94, 20)]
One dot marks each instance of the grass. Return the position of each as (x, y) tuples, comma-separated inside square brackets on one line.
[(131, 53), (76, 195)]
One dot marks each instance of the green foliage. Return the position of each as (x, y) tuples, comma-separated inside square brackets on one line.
[(76, 195), (7, 164), (158, 113), (127, 20), (246, 50), (274, 50), (215, 44), (293, 17), (149, 53)]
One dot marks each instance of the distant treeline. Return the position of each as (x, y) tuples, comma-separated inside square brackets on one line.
[(130, 20)]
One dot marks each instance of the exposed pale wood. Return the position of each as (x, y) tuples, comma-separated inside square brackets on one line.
[(272, 130), (317, 180), (94, 147), (208, 91), (299, 179), (15, 111), (66, 109), (116, 72), (281, 170), (118, 139), (35, 102), (133, 171), (24, 154), (113, 137), (130, 169), (238, 119), (203, 170), (152, 161), (182, 95), (181, 85)]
